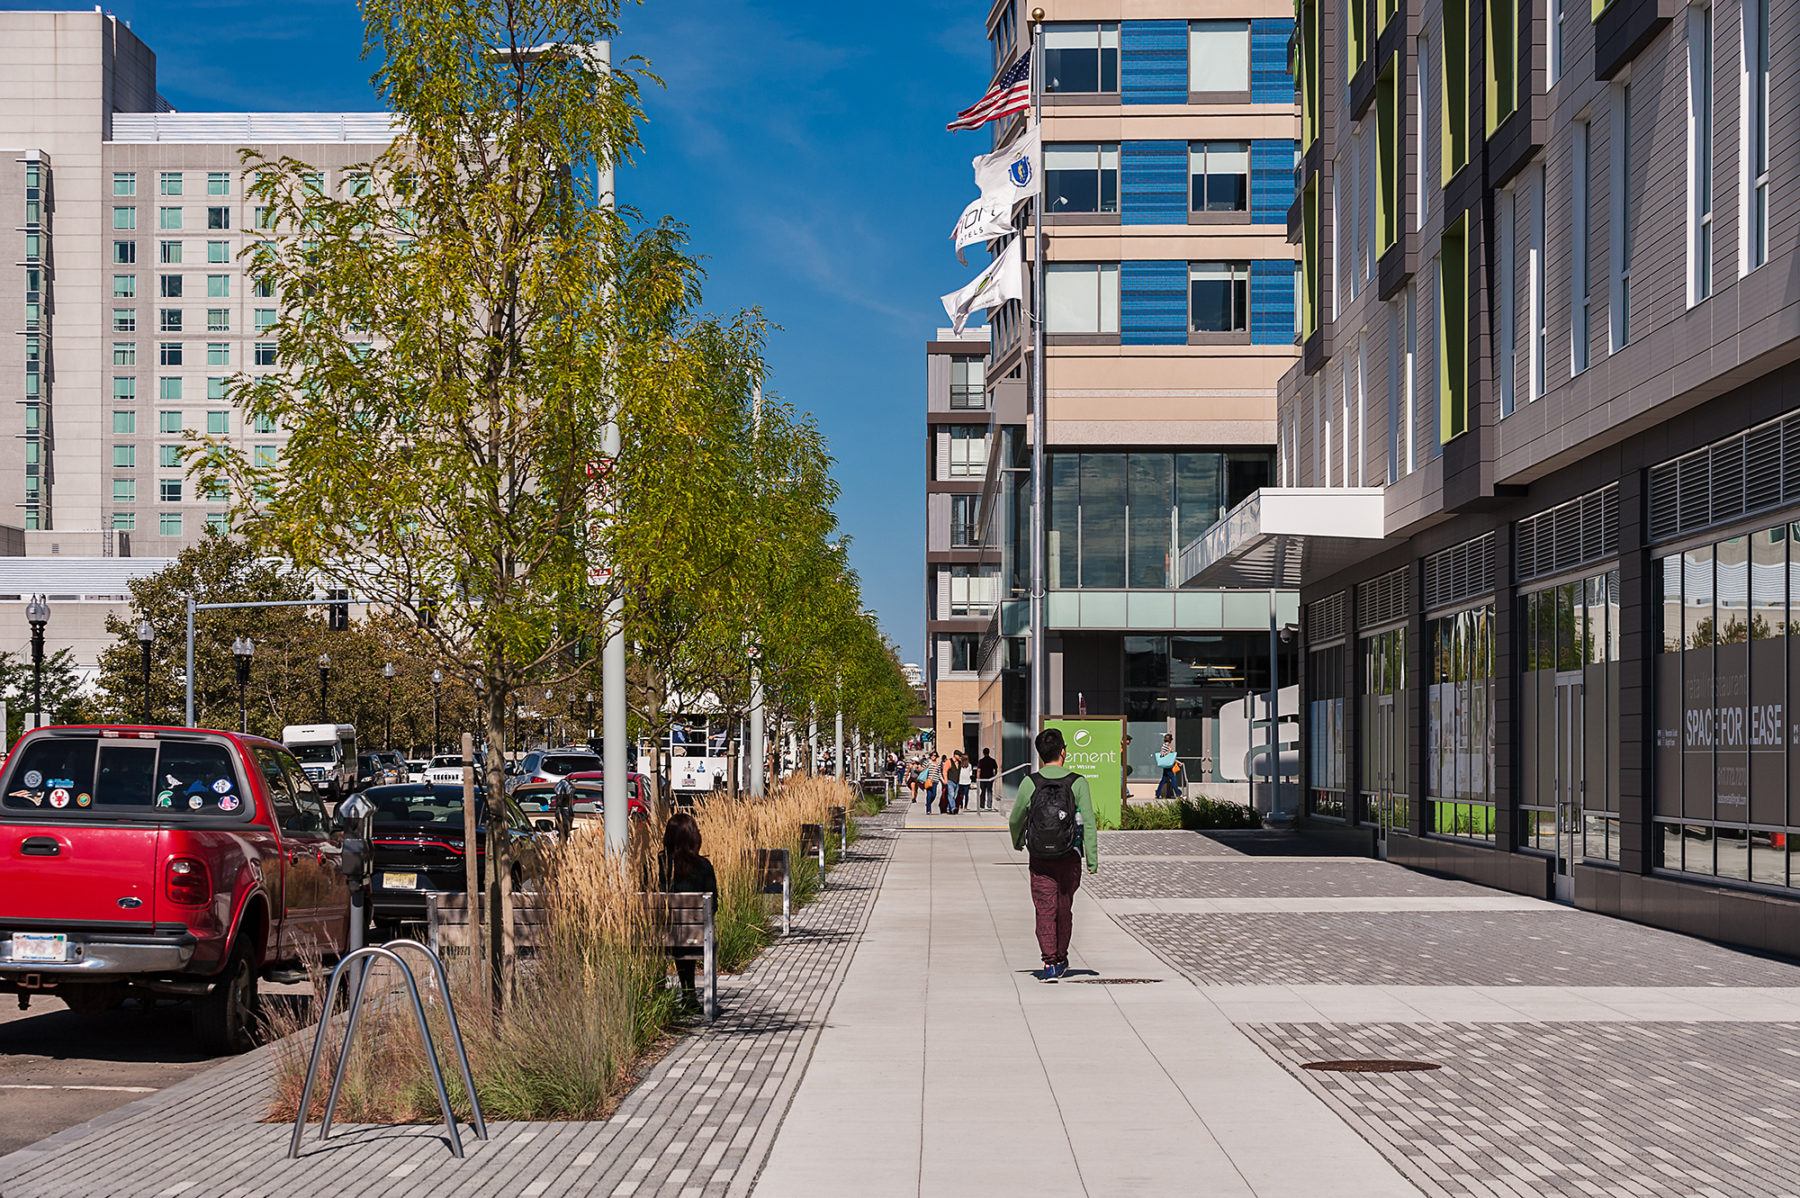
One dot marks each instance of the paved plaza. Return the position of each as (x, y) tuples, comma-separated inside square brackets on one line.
[(898, 1044)]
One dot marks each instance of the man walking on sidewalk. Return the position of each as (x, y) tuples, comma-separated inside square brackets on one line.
[(986, 770), (1053, 821)]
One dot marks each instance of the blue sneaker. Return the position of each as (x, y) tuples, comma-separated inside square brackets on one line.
[(1060, 970), (1048, 973)]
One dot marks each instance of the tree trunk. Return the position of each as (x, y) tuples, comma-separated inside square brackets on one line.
[(499, 871)]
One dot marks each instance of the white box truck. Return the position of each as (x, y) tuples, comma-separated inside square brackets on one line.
[(327, 753)]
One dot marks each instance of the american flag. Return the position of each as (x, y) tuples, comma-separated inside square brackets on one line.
[(1010, 93)]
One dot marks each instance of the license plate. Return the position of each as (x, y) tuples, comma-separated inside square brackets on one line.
[(29, 946), (400, 881)]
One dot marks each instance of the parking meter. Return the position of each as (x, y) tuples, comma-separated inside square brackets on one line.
[(565, 809), (355, 861)]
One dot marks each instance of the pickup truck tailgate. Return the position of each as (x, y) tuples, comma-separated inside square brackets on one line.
[(62, 873)]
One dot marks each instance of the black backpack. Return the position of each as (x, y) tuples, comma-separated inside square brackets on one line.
[(1051, 826)]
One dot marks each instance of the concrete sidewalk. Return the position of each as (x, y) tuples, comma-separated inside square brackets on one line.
[(972, 1077)]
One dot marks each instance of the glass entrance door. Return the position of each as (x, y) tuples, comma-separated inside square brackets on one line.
[(1386, 771), (1570, 781)]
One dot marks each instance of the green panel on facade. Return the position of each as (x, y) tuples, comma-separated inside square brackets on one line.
[(1062, 609), (1150, 609), (1246, 609), (1196, 610), (1103, 609)]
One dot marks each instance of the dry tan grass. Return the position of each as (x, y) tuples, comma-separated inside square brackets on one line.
[(589, 1007)]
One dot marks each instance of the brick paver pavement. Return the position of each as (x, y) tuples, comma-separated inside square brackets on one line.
[(700, 1123)]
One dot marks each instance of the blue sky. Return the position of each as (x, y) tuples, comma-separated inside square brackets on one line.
[(802, 143)]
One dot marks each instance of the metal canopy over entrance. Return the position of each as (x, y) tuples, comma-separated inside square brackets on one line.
[(1287, 536)]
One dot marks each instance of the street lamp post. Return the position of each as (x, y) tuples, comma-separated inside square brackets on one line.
[(37, 614), (146, 638), (243, 648), (324, 683), (437, 680), (590, 723), (387, 672)]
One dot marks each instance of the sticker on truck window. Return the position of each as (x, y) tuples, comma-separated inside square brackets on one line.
[(228, 803), (33, 778)]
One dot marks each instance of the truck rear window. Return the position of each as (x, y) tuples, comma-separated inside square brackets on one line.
[(568, 763), (166, 778)]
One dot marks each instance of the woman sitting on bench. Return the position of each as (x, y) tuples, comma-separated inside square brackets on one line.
[(682, 870)]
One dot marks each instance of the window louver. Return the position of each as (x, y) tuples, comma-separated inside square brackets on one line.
[(1325, 619), (1382, 600), (1740, 476), (1571, 534), (1460, 572)]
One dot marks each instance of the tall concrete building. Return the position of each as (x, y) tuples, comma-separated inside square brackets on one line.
[(1540, 463), (959, 598), (1169, 132), (130, 306)]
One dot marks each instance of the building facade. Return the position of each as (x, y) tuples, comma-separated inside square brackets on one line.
[(135, 307), (1169, 134), (959, 595), (1539, 469), (129, 306)]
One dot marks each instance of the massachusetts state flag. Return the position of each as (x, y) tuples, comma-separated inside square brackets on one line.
[(1010, 93)]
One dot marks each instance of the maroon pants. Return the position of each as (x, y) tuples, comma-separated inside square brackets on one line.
[(1054, 881)]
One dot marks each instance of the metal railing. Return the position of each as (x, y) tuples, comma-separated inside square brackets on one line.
[(361, 959)]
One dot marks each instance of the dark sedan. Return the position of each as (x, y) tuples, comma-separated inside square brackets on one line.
[(417, 847)]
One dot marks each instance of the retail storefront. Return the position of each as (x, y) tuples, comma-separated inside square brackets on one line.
[(1586, 699)]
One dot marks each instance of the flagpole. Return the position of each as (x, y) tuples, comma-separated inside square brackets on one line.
[(1040, 671)]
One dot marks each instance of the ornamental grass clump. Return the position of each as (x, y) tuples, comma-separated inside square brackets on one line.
[(587, 1007)]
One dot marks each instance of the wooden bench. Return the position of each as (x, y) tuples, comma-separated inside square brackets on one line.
[(812, 842), (686, 921), (875, 785), (840, 828), (447, 923), (775, 875)]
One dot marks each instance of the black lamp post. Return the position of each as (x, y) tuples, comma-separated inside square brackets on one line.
[(242, 649), (146, 638), (387, 671), (324, 683), (37, 614), (437, 680), (590, 724)]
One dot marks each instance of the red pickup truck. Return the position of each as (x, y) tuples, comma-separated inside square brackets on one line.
[(164, 861)]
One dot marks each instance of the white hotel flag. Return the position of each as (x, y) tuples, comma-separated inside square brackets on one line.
[(1008, 175), (1001, 281)]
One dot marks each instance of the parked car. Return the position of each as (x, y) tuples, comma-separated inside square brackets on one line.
[(369, 772), (415, 770), (417, 846), (391, 766), (553, 765), (159, 862), (446, 769), (538, 801)]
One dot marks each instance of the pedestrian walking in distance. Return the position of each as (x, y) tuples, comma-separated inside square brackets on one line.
[(1053, 821), (986, 770)]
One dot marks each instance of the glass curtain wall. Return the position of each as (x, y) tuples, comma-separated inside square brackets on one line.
[(1728, 651), (1328, 765), (1459, 764), (1118, 520), (1569, 714), (1382, 710)]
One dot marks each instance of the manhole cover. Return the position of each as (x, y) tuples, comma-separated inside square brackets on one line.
[(1371, 1066), (1115, 981)]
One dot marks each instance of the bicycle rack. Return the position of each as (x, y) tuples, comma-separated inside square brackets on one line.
[(360, 957)]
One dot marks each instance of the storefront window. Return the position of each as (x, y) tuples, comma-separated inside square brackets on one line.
[(1327, 760), (1382, 707), (1569, 720), (1727, 650), (1460, 723)]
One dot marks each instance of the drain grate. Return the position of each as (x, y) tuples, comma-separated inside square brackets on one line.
[(1116, 981), (1370, 1066)]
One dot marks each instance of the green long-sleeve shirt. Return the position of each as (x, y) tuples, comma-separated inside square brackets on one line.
[(1084, 804)]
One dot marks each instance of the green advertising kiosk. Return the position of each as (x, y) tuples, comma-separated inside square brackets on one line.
[(1096, 748)]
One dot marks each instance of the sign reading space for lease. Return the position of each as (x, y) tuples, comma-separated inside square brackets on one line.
[(1096, 749)]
